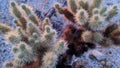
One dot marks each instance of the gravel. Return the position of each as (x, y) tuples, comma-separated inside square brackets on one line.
[(5, 51)]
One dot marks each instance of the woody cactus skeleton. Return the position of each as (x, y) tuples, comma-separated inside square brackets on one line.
[(33, 47)]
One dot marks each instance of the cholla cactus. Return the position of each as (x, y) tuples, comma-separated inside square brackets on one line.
[(88, 25), (87, 13), (90, 17), (95, 4), (96, 22), (21, 21), (35, 42), (4, 28), (13, 36), (82, 4), (32, 44), (112, 12), (46, 22), (72, 6), (82, 17), (59, 47), (23, 14), (32, 17), (23, 54), (50, 58), (98, 37), (87, 36)]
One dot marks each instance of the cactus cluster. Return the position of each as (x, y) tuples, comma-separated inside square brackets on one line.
[(35, 43), (91, 18), (87, 25), (84, 13), (23, 53)]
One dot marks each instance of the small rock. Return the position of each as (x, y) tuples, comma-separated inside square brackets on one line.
[(78, 63), (97, 55), (108, 65), (102, 62)]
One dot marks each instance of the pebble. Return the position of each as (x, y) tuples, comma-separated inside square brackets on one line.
[(98, 55)]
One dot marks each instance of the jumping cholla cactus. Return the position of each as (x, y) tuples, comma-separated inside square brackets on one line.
[(91, 17), (4, 28), (87, 25), (33, 47)]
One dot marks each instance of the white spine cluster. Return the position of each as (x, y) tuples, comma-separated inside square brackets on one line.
[(82, 17)]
